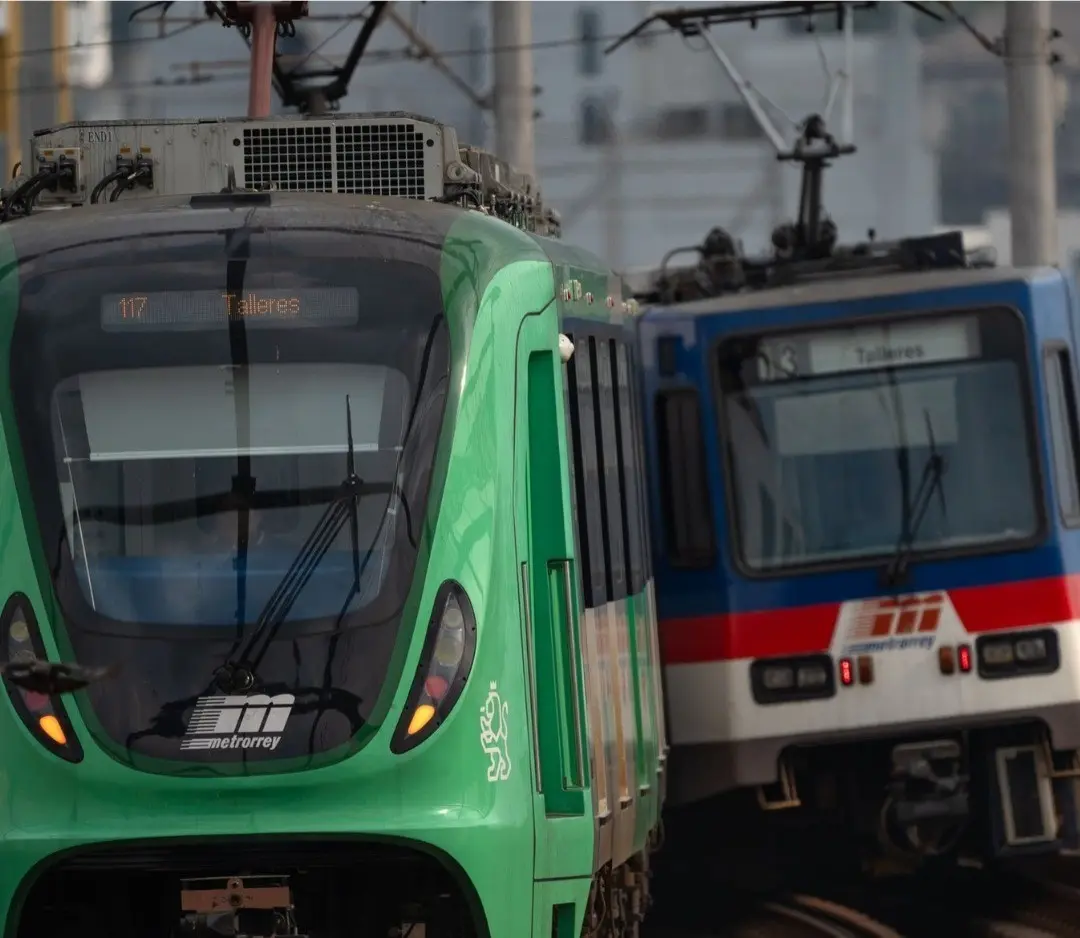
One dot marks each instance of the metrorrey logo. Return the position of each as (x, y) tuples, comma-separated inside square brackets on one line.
[(238, 722), (896, 622)]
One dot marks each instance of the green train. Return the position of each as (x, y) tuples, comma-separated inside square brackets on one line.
[(345, 497)]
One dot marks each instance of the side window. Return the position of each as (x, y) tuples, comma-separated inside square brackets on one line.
[(683, 479), (577, 505), (1064, 430), (643, 469), (611, 501), (630, 472), (587, 473)]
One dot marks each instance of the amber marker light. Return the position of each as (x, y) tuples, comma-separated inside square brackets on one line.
[(51, 727), (946, 659), (44, 715), (445, 664), (866, 669)]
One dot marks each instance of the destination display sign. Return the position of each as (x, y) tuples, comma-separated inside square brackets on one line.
[(868, 347), (182, 310)]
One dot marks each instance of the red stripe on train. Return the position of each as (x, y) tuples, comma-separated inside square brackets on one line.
[(808, 629)]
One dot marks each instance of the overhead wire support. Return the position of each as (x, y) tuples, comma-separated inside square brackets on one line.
[(689, 21), (809, 246), (426, 51)]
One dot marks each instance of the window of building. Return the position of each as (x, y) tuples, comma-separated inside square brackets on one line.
[(737, 122), (591, 56), (474, 63), (595, 127), (683, 123)]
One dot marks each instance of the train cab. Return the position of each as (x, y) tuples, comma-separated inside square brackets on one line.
[(866, 506)]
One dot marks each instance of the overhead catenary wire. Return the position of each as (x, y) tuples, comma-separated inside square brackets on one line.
[(406, 53), (372, 57)]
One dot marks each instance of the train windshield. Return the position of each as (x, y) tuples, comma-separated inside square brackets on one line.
[(188, 418), (834, 435)]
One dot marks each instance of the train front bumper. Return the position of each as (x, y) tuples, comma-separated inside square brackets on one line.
[(93, 823)]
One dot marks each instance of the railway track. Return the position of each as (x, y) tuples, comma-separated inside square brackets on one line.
[(788, 916), (971, 904), (802, 916), (1040, 903)]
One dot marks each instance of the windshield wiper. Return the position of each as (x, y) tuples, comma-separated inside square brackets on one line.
[(237, 676), (915, 512)]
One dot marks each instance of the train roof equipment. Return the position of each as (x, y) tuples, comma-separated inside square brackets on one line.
[(808, 248), (392, 153)]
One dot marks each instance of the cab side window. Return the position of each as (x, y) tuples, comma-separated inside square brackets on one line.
[(1064, 427)]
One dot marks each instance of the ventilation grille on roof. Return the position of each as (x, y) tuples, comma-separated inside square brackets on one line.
[(296, 159), (380, 159), (373, 159)]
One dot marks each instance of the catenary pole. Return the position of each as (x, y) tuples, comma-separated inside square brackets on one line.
[(511, 29), (1032, 179)]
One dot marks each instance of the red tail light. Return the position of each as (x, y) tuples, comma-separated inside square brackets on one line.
[(964, 656), (847, 672)]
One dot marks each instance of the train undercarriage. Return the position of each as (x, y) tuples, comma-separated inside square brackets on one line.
[(290, 889), (892, 806), (271, 890)]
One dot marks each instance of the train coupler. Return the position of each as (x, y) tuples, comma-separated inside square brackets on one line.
[(927, 805), (237, 907)]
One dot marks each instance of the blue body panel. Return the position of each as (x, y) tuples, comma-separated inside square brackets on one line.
[(1047, 303)]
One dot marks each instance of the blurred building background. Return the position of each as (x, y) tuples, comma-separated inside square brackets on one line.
[(641, 151)]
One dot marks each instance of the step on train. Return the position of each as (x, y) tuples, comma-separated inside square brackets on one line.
[(866, 503), (327, 588)]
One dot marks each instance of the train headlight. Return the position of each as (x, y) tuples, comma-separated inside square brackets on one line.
[(44, 716), (445, 663), (782, 680), (1030, 649), (812, 676), (997, 654), (778, 678), (1018, 654)]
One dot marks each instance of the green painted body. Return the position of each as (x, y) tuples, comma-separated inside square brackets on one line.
[(507, 501)]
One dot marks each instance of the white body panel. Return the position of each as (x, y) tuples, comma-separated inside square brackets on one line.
[(723, 738)]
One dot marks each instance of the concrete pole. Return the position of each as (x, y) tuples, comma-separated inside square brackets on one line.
[(12, 118), (511, 33), (1032, 179)]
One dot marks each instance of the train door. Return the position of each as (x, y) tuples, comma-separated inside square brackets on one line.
[(563, 816)]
